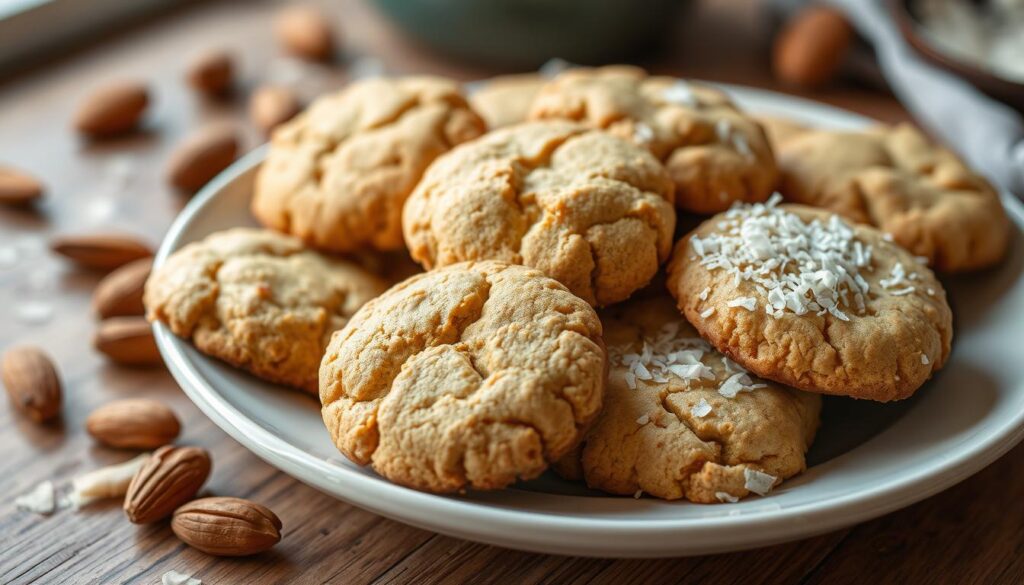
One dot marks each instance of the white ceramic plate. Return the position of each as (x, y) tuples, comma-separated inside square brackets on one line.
[(869, 458)]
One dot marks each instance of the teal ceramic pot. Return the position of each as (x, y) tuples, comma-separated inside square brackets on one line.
[(526, 33)]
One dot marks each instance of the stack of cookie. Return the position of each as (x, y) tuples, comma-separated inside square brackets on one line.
[(560, 324)]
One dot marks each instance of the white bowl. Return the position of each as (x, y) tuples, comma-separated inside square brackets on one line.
[(869, 458)]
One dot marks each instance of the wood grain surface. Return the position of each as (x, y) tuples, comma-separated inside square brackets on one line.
[(972, 533)]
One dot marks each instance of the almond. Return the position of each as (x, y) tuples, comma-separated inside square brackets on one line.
[(113, 109), (134, 423), (32, 382), (271, 106), (227, 527), (17, 187), (100, 251), (304, 32), (128, 341), (212, 73), (201, 156), (119, 294), (811, 47), (171, 477)]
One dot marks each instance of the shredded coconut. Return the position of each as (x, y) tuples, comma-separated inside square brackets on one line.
[(707, 312), (643, 133), (643, 420), (748, 303), (704, 293), (757, 481), (41, 500), (738, 382), (638, 493), (701, 410), (681, 94), (664, 355), (726, 497), (728, 135), (176, 578), (924, 359), (107, 482)]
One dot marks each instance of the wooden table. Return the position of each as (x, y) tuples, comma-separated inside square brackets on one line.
[(973, 532)]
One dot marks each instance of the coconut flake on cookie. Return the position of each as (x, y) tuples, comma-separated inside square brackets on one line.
[(758, 482)]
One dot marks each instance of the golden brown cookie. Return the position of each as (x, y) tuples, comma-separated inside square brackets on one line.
[(259, 301), (682, 421), (591, 210), (505, 100), (473, 375), (898, 181), (800, 296), (337, 175), (716, 154)]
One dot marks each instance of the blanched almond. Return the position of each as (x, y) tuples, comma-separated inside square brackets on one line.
[(305, 32), (128, 341), (134, 423), (18, 187), (119, 294), (32, 382), (201, 156), (271, 106), (100, 251), (227, 527), (171, 477), (113, 109)]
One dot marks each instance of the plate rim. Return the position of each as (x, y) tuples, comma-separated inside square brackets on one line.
[(562, 533)]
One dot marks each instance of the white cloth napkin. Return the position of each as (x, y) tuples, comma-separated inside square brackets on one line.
[(987, 133)]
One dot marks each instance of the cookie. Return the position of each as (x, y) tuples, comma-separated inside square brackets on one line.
[(898, 181), (505, 100), (680, 420), (337, 175), (259, 301), (716, 154), (470, 376), (590, 210), (800, 296)]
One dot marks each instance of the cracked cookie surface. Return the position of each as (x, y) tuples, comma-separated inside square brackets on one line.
[(470, 376), (715, 153), (674, 434), (588, 209), (800, 296), (894, 178), (338, 174), (259, 301)]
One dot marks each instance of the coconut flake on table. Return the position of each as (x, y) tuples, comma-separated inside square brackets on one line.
[(41, 500), (107, 482), (176, 578), (759, 482)]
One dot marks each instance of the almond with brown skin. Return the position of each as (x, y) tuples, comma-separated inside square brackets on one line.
[(119, 294), (811, 47), (127, 341), (271, 106), (18, 187), (171, 477), (305, 32), (112, 110), (100, 251), (201, 156), (227, 527), (32, 382), (212, 73), (134, 423)]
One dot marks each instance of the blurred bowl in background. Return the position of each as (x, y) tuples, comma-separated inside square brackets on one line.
[(1005, 90), (526, 33)]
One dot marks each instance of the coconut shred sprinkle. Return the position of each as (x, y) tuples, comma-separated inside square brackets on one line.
[(796, 266)]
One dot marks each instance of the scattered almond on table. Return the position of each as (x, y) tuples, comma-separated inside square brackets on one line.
[(229, 527), (100, 251), (304, 32), (127, 341), (171, 477), (18, 187), (212, 73), (133, 423), (119, 294), (201, 156), (271, 106), (810, 49), (112, 110), (32, 382)]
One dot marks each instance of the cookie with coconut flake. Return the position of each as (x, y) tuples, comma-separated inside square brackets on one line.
[(592, 211), (680, 420), (469, 376), (259, 300), (338, 174), (716, 154), (800, 296), (897, 180)]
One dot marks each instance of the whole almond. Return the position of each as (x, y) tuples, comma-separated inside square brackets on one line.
[(811, 47), (113, 109), (227, 527), (119, 294), (271, 106), (134, 423), (32, 382), (18, 187), (304, 32), (128, 341), (100, 251), (212, 72), (171, 477), (201, 156)]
